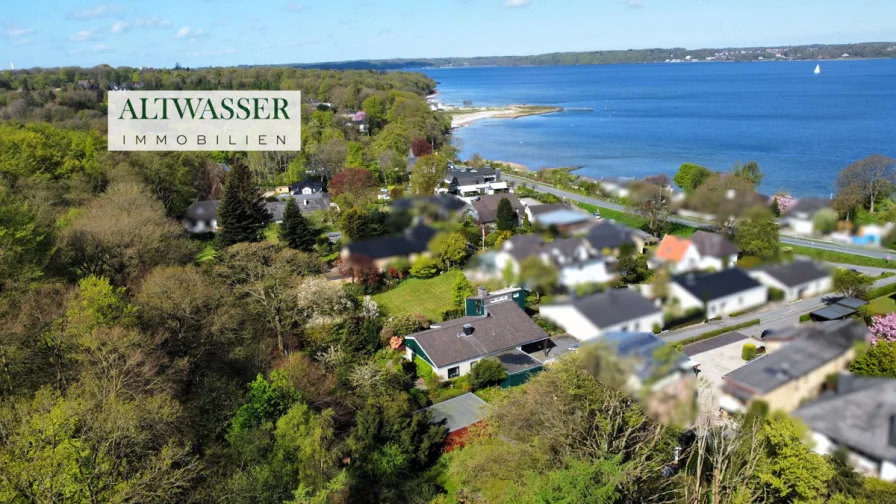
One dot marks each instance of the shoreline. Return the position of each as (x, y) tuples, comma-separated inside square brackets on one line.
[(470, 116)]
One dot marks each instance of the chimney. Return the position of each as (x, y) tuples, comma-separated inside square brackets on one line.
[(482, 292), (468, 329)]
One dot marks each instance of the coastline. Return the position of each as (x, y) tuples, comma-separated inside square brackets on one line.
[(466, 117)]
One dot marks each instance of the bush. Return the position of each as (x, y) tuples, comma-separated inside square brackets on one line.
[(805, 317), (775, 294), (424, 370), (886, 290), (748, 262), (657, 329), (425, 268), (486, 373), (748, 352), (403, 325), (450, 313)]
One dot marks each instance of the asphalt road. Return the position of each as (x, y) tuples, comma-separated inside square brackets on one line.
[(789, 240)]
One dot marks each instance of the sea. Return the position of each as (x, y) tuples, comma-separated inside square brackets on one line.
[(800, 127)]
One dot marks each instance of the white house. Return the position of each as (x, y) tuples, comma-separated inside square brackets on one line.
[(721, 293), (577, 263), (797, 280), (860, 417), (703, 251), (616, 310), (201, 217), (799, 218)]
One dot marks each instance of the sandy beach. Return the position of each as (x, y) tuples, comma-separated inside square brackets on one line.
[(465, 117)]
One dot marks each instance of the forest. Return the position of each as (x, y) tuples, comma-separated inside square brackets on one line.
[(141, 364)]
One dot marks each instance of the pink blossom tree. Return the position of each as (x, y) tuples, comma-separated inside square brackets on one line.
[(883, 328), (785, 202)]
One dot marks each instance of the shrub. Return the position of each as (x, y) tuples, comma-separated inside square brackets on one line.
[(452, 312), (403, 325), (657, 329), (748, 352), (486, 373), (775, 294), (424, 370), (424, 268), (748, 262)]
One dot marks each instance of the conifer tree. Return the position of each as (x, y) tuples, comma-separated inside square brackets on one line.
[(242, 216), (295, 230), (506, 215)]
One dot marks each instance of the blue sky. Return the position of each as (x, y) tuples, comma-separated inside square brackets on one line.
[(160, 33)]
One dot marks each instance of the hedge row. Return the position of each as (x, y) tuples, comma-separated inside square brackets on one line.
[(679, 345), (886, 290)]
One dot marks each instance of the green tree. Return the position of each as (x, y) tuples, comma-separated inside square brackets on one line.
[(870, 177), (634, 269), (451, 249), (538, 277), (424, 268), (757, 234), (427, 173), (774, 207), (295, 230), (358, 224), (691, 176), (461, 290), (825, 221), (851, 283), (487, 372), (791, 470), (242, 216), (749, 171), (24, 243), (506, 215), (878, 359), (375, 109)]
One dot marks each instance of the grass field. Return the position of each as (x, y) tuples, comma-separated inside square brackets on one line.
[(841, 257), (428, 297), (883, 305)]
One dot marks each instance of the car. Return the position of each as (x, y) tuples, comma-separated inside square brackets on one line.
[(596, 215), (766, 332)]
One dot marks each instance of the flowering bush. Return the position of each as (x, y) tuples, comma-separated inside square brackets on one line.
[(884, 328), (785, 202)]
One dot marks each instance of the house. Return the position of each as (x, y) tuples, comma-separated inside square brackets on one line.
[(860, 416), (616, 186), (677, 254), (575, 260), (383, 250), (799, 218), (275, 209), (717, 294), (201, 217), (471, 182), (453, 347), (610, 238), (306, 186), (616, 310), (485, 208), (565, 218), (703, 251), (437, 206), (797, 280), (309, 203), (716, 251), (787, 377)]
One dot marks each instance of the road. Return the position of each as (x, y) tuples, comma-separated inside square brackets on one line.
[(789, 240), (773, 316)]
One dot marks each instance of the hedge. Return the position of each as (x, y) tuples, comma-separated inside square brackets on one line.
[(775, 294), (748, 352), (886, 290), (805, 317), (679, 345)]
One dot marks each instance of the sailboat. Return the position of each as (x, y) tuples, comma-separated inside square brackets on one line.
[(817, 69)]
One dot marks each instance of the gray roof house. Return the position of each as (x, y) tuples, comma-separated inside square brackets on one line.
[(714, 245), (485, 208), (415, 240), (576, 261), (616, 310), (452, 347), (785, 378), (614, 236), (860, 415), (797, 279), (309, 203), (201, 217), (719, 293)]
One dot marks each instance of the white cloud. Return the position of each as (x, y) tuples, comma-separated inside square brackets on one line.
[(21, 42), (513, 4), (294, 7), (120, 27), (18, 31), (634, 4), (101, 48), (186, 31), (85, 35), (152, 22), (99, 11)]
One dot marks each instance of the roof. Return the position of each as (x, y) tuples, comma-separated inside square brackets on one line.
[(414, 241), (851, 302), (523, 246), (487, 206), (315, 185), (202, 211), (709, 286), (614, 306), (713, 245), (561, 252), (833, 312), (459, 412), (819, 344), (672, 248), (310, 202), (516, 361), (713, 343), (506, 326), (796, 273), (859, 415), (276, 209), (547, 208), (563, 217), (444, 202), (612, 235), (809, 205), (642, 346)]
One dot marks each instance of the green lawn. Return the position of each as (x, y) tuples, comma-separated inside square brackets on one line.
[(272, 233), (841, 257), (883, 305), (634, 220), (428, 297)]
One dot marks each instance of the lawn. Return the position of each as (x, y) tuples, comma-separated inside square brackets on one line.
[(635, 221), (428, 297), (883, 305), (841, 257), (272, 233)]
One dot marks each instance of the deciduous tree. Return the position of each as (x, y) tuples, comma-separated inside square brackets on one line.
[(851, 283), (749, 171), (691, 176), (870, 177), (757, 234), (427, 173), (353, 181), (650, 199)]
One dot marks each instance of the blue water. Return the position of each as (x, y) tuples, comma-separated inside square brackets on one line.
[(801, 128)]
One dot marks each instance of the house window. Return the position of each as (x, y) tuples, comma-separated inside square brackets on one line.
[(453, 372), (623, 329), (637, 326), (473, 364)]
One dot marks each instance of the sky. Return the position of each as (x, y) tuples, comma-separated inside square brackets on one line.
[(197, 33)]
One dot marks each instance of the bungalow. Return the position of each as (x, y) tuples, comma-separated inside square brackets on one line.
[(565, 218), (453, 347), (307, 186), (799, 218), (719, 293), (610, 238), (616, 310), (485, 208), (201, 217), (703, 251), (308, 203), (436, 206), (860, 416), (383, 250), (797, 280), (716, 251), (575, 260), (618, 186), (786, 378)]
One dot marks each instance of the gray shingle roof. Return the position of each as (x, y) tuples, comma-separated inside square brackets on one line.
[(202, 211), (487, 206), (819, 345), (796, 273), (860, 417), (506, 327), (547, 208), (615, 306), (710, 286), (415, 240), (612, 235), (713, 244), (459, 412), (809, 205)]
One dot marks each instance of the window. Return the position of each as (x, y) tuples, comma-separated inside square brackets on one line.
[(453, 372), (637, 326), (473, 364)]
